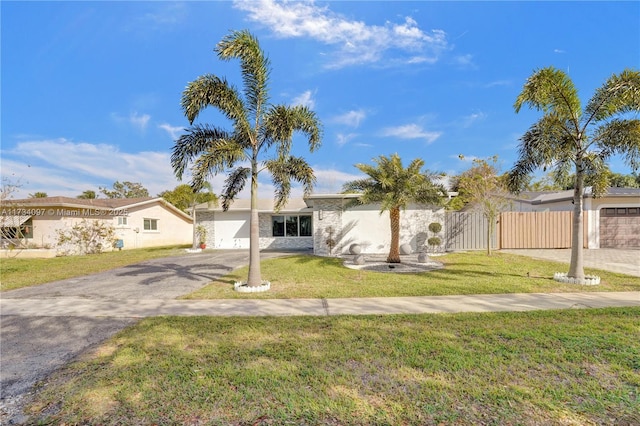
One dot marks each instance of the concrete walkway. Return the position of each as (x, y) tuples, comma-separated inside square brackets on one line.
[(87, 308)]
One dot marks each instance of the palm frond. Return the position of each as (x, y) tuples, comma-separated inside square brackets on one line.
[(620, 137), (233, 184), (197, 140), (209, 90), (254, 64), (285, 169), (619, 94), (551, 91), (282, 121)]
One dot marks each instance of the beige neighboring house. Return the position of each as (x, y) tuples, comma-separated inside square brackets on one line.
[(138, 222)]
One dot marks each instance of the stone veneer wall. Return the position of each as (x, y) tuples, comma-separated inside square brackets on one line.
[(268, 241), (206, 219), (330, 226)]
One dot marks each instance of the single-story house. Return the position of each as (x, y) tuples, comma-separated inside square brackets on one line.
[(138, 222), (320, 223), (613, 219)]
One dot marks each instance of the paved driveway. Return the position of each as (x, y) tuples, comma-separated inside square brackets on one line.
[(32, 347), (614, 260)]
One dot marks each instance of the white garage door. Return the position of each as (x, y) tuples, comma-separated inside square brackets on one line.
[(232, 230)]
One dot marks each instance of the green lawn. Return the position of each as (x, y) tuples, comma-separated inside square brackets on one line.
[(572, 367), (305, 276), (16, 273)]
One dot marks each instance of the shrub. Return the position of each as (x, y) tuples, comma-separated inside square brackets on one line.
[(434, 241), (85, 237), (435, 227)]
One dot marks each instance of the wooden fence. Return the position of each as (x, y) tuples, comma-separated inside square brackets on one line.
[(513, 230)]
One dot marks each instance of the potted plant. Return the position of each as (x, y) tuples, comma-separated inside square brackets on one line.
[(202, 236)]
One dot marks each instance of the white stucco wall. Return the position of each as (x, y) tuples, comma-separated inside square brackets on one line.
[(371, 230)]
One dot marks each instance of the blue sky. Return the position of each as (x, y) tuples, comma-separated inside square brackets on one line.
[(91, 90)]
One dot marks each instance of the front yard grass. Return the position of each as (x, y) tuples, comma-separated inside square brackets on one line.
[(16, 273), (305, 276), (571, 367)]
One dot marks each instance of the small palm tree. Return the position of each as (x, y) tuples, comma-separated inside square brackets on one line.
[(394, 187), (566, 136), (260, 130)]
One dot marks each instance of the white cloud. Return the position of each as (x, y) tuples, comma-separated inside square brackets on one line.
[(331, 180), (351, 118), (136, 120), (173, 131), (342, 139), (139, 121), (355, 41), (67, 168), (411, 131), (470, 119), (304, 99)]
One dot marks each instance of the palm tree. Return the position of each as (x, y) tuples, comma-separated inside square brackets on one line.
[(259, 129), (566, 137), (394, 187)]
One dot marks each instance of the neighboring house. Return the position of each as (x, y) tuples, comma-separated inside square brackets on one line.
[(612, 220), (138, 222), (320, 223)]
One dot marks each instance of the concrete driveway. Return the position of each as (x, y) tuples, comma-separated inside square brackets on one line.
[(614, 260), (33, 346)]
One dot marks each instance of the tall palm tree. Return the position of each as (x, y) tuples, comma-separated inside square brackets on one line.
[(394, 187), (261, 137), (568, 136)]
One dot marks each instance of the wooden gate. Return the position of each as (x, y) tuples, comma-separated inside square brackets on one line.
[(523, 230)]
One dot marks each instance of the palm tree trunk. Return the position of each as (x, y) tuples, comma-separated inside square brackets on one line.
[(254, 278), (576, 267), (394, 251)]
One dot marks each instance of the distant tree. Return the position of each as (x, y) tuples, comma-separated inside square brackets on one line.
[(184, 197), (394, 187), (260, 130), (125, 190), (485, 190), (569, 137), (551, 182), (88, 195), (38, 195)]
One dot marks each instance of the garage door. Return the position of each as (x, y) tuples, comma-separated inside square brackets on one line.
[(620, 227)]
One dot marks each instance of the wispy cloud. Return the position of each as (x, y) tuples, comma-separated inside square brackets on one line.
[(498, 83), (173, 131), (139, 121), (305, 99), (342, 139), (355, 41), (331, 180), (411, 131), (64, 167), (469, 120), (559, 51), (351, 118)]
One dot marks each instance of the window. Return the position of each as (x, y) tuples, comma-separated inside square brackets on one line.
[(278, 226), (291, 226), (122, 221), (150, 224)]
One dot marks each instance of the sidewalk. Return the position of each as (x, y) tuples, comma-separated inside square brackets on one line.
[(82, 307)]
